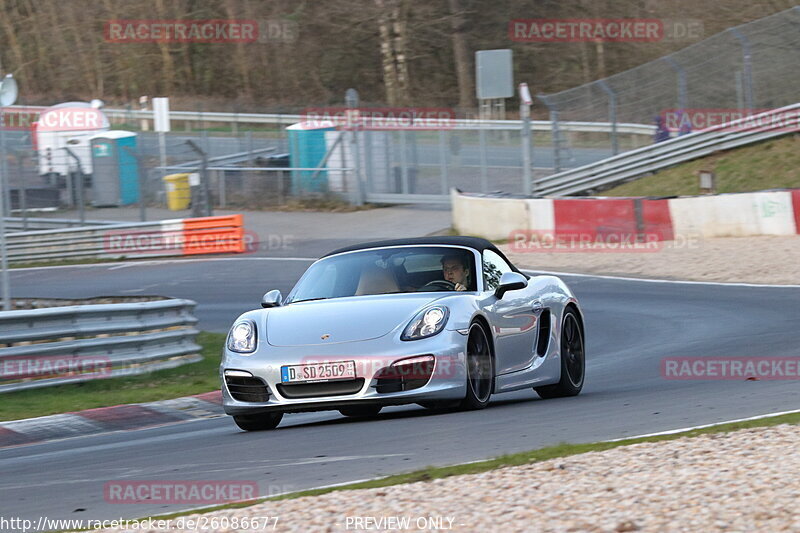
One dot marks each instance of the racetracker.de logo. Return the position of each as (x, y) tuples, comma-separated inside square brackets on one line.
[(181, 31), (532, 241), (379, 118), (181, 492), (585, 30), (730, 368), (730, 119), (56, 366), (19, 118), (177, 242)]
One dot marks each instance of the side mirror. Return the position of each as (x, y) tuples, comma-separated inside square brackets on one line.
[(271, 299), (510, 281)]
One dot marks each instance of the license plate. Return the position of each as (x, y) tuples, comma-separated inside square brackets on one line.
[(318, 372)]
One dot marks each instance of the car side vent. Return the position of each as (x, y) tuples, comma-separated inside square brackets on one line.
[(543, 337)]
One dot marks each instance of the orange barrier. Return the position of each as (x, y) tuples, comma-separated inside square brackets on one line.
[(213, 235)]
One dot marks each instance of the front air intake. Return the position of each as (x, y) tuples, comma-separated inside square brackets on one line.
[(247, 389)]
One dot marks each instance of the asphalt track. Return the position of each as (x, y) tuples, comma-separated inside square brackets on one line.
[(631, 325)]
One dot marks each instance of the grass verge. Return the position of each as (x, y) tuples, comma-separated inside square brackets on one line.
[(194, 378), (771, 164), (516, 459)]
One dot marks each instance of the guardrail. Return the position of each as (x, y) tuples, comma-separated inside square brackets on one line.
[(635, 163), (59, 345), (461, 124), (35, 223), (190, 236)]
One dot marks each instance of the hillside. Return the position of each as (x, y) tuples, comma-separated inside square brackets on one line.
[(771, 164)]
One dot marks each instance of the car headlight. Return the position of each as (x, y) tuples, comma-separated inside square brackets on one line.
[(427, 323), (242, 337)]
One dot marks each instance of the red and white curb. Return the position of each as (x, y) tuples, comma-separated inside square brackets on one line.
[(109, 419)]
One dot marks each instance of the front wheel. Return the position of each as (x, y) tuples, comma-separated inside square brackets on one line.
[(480, 369), (258, 422), (573, 360)]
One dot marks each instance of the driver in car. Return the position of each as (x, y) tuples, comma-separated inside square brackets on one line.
[(456, 271)]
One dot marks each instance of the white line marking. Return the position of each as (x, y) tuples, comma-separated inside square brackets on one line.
[(682, 430), (650, 280)]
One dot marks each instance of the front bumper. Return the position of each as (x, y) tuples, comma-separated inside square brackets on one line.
[(447, 381)]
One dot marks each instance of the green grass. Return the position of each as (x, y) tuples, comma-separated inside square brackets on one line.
[(523, 458), (194, 378), (771, 164)]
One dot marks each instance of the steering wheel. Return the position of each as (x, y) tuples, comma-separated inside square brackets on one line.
[(438, 285)]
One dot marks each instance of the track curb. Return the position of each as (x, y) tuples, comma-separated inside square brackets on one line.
[(100, 420)]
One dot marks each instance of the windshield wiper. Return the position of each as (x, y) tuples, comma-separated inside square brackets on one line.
[(309, 300)]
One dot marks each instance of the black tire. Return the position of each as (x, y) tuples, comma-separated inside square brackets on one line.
[(362, 411), (258, 422), (573, 359), (480, 369)]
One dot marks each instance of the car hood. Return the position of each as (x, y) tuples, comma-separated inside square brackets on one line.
[(356, 318)]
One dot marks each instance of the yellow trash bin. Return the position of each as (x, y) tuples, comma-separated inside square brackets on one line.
[(178, 194)]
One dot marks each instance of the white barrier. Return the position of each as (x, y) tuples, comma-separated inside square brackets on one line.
[(724, 215), (491, 218), (734, 215)]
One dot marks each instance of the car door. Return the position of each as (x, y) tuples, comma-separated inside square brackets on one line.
[(512, 318)]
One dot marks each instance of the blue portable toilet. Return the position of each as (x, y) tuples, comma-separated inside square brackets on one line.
[(115, 169), (307, 148)]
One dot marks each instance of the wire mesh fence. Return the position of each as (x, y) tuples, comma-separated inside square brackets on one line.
[(752, 67)]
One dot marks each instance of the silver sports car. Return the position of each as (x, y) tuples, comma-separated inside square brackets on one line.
[(438, 321)]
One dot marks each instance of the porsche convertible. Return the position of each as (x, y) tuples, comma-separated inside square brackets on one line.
[(443, 322)]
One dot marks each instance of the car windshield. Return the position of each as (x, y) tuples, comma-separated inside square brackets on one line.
[(388, 271)]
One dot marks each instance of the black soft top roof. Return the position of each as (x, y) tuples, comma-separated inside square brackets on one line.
[(475, 243)]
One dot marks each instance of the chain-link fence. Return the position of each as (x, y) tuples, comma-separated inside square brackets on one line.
[(253, 161), (752, 67)]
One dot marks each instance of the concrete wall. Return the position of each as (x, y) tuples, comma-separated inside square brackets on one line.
[(725, 215)]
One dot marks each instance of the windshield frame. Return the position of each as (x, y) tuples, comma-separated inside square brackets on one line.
[(477, 265)]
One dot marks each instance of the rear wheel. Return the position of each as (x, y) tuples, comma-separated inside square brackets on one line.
[(258, 422), (573, 360), (480, 369), (361, 410)]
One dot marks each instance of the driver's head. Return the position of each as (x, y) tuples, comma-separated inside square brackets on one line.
[(455, 269)]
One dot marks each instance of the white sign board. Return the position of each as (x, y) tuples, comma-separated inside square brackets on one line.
[(161, 114), (494, 74), (525, 94)]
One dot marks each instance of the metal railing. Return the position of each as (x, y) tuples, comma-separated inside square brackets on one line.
[(72, 243), (630, 165), (164, 238), (284, 119), (37, 223), (128, 338)]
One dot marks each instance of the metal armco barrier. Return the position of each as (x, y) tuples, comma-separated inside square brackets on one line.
[(175, 237), (38, 347), (33, 223), (281, 119), (630, 165)]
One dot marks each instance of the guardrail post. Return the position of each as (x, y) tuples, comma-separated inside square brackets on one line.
[(443, 176), (484, 160), (555, 133), (204, 185), (4, 284), (681, 72), (81, 207), (747, 71), (612, 115)]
